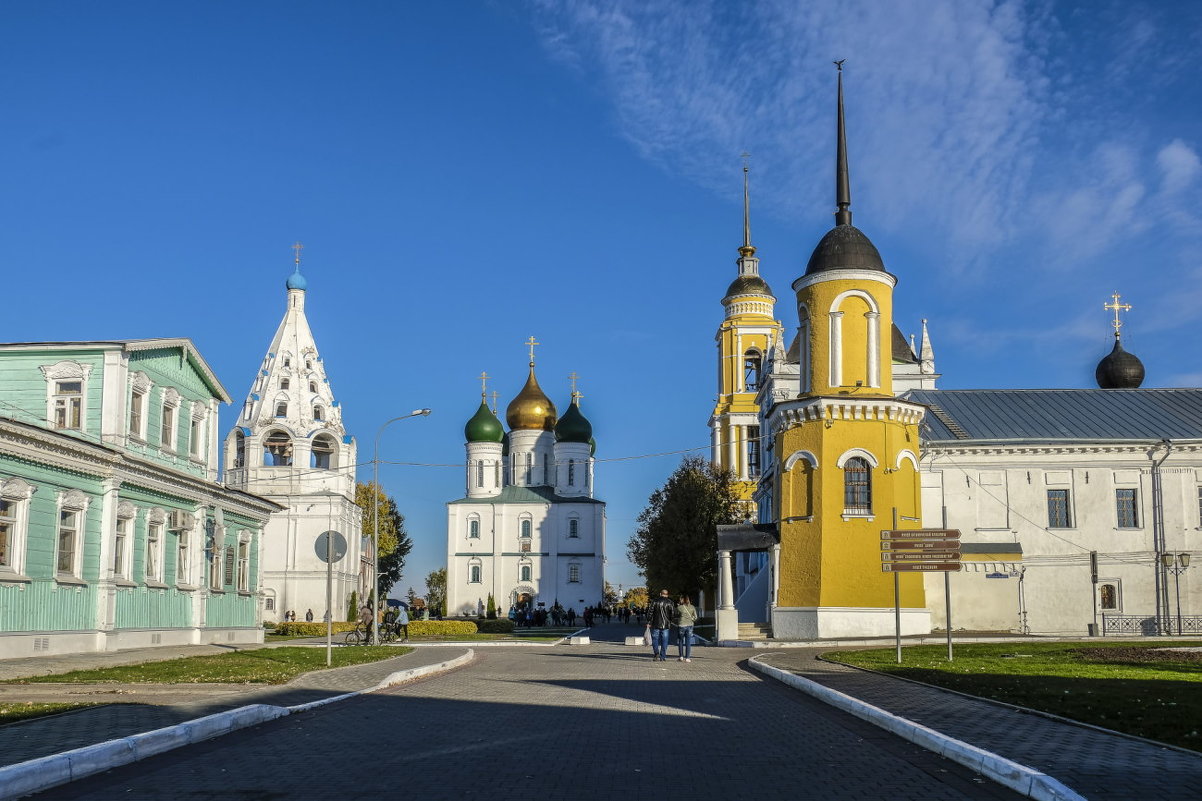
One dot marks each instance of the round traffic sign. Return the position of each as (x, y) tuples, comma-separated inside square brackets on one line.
[(331, 551)]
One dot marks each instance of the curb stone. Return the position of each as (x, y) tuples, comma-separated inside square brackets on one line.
[(45, 772), (1020, 778)]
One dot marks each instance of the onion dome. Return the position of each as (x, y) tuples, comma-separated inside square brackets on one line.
[(484, 426), (297, 281), (749, 285), (531, 409), (1119, 369), (573, 426)]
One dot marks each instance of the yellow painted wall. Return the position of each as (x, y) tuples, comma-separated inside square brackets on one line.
[(819, 300)]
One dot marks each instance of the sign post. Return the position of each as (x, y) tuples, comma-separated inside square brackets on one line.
[(330, 547), (920, 550)]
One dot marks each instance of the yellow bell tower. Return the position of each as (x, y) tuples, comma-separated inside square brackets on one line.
[(744, 339), (845, 450)]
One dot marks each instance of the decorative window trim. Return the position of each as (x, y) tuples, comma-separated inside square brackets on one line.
[(139, 385), (323, 444), (243, 566), (170, 403), (863, 454), (1117, 584), (906, 456), (75, 502), (475, 572), (66, 370), (183, 557), (574, 573), (473, 527), (289, 452), (797, 456), (1137, 520), (16, 492), (852, 509)]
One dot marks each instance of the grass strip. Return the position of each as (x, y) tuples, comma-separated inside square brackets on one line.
[(1136, 688), (258, 666), (28, 710)]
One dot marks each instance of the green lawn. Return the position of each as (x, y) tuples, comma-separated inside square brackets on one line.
[(259, 666), (22, 710), (1129, 687)]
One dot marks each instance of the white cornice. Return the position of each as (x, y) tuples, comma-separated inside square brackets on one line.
[(879, 276), (833, 410)]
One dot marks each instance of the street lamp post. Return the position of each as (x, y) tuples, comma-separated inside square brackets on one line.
[(1176, 563), (375, 526)]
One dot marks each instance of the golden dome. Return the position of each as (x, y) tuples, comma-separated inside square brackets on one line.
[(531, 409)]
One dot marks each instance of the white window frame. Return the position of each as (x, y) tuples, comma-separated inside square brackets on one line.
[(573, 527), (574, 573), (66, 371), (16, 493), (169, 419), (213, 553), (72, 502), (1138, 522), (124, 536), (525, 571), (473, 528), (243, 567), (475, 572), (196, 432), (183, 556), (139, 387), (152, 552)]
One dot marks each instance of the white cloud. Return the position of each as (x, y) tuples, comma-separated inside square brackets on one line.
[(1179, 166)]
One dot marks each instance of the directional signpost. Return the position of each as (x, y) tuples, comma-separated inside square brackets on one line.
[(921, 550)]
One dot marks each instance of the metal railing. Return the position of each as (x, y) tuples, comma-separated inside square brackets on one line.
[(1145, 626)]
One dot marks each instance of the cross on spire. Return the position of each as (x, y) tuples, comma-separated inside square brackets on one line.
[(532, 342), (1116, 307), (297, 248), (483, 386), (494, 401), (575, 394)]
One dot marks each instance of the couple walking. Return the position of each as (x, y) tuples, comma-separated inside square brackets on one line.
[(662, 614)]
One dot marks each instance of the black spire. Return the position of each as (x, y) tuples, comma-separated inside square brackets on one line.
[(842, 184)]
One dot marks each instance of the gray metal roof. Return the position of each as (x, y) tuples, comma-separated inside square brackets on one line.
[(514, 494), (1060, 414)]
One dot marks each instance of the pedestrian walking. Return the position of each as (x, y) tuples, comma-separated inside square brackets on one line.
[(402, 624), (659, 621), (308, 616), (686, 617)]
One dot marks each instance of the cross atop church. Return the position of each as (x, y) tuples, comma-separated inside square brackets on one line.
[(573, 377), (1116, 307), (532, 342), (494, 401), (483, 385), (297, 248)]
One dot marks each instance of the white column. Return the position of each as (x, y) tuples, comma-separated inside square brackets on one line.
[(732, 449), (726, 595), (775, 586), (836, 354), (874, 348)]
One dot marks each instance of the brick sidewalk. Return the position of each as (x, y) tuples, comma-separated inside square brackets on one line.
[(1094, 763), (133, 708)]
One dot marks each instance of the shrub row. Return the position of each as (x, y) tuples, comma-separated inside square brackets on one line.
[(310, 629), (498, 626), (419, 628)]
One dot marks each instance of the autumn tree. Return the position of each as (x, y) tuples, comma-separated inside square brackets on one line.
[(676, 544), (436, 591), (609, 596), (394, 543), (636, 597)]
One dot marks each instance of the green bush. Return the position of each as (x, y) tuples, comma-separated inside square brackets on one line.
[(309, 629), (420, 628), (496, 626)]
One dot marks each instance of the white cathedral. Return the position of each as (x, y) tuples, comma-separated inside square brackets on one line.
[(529, 531), (290, 446)]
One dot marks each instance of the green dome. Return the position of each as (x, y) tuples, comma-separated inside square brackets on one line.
[(573, 427), (484, 426)]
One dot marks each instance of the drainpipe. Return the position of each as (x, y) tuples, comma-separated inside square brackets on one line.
[(1158, 539)]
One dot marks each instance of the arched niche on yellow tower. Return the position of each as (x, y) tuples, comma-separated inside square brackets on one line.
[(855, 340), (798, 485)]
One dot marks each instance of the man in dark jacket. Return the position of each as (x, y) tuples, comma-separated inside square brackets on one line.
[(659, 622)]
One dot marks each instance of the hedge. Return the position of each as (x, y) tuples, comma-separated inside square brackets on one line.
[(310, 629), (420, 628), (499, 626)]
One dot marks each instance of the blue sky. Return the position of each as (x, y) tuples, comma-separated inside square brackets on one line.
[(464, 175)]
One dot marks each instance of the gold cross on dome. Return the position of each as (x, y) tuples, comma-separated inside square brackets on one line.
[(297, 248), (573, 377), (483, 385), (532, 342), (1116, 307)]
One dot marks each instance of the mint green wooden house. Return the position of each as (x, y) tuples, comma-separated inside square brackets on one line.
[(114, 532)]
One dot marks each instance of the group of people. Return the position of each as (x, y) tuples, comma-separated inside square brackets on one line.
[(290, 616), (396, 619), (528, 616), (662, 616)]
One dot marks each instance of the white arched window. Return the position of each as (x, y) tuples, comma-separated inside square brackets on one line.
[(870, 324), (473, 572), (473, 528), (753, 365), (857, 486)]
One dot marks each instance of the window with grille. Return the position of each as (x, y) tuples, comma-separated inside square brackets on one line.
[(857, 486), (574, 527), (573, 573), (473, 529), (571, 472), (269, 603), (1059, 513), (475, 574), (1128, 507)]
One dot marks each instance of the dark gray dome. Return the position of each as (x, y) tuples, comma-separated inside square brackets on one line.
[(1119, 369), (748, 285), (844, 248)]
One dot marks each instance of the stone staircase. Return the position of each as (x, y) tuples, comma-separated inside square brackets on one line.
[(755, 631)]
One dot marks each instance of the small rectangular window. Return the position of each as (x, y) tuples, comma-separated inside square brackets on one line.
[(230, 556), (475, 574), (68, 404), (120, 543), (8, 530), (571, 472), (1059, 514), (154, 544), (194, 440), (214, 554), (480, 474), (182, 555), (136, 402), (283, 383), (1128, 509), (573, 574), (244, 566), (269, 603), (167, 430), (525, 573), (68, 537), (473, 529), (753, 451), (573, 528)]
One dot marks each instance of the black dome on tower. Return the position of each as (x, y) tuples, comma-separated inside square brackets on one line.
[(1119, 369)]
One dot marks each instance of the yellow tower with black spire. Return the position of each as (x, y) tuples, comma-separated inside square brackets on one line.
[(845, 450), (745, 338)]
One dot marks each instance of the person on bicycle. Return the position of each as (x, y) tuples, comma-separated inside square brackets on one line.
[(365, 621)]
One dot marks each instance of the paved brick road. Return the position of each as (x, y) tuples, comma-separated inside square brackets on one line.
[(599, 721)]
